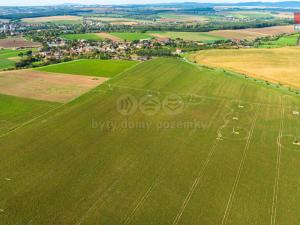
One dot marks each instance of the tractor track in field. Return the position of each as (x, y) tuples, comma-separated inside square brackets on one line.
[(277, 176), (241, 166), (198, 178)]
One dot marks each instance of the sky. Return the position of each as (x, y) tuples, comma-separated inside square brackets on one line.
[(55, 2)]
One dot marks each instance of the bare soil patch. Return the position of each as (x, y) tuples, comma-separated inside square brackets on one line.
[(160, 37), (18, 42), (109, 36), (46, 86)]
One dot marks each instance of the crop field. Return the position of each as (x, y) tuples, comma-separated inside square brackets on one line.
[(277, 65), (166, 142), (131, 36), (8, 58), (253, 33), (5, 62), (15, 111), (17, 42), (191, 36), (88, 36), (90, 67)]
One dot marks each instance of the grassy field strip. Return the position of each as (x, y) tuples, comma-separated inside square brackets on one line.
[(87, 36), (278, 162), (94, 67), (241, 166)]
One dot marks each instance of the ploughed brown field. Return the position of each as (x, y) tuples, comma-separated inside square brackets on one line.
[(18, 42)]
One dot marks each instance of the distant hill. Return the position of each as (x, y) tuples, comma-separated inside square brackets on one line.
[(282, 4)]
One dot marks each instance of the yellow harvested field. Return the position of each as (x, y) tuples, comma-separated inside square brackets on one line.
[(46, 86), (253, 33), (278, 65), (51, 18)]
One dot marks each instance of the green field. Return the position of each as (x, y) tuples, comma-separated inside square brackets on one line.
[(15, 111), (235, 161), (191, 36), (89, 36), (288, 40), (131, 36), (6, 58), (90, 67)]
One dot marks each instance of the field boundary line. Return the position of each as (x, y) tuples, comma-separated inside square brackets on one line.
[(241, 166), (122, 72), (277, 175), (200, 173)]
